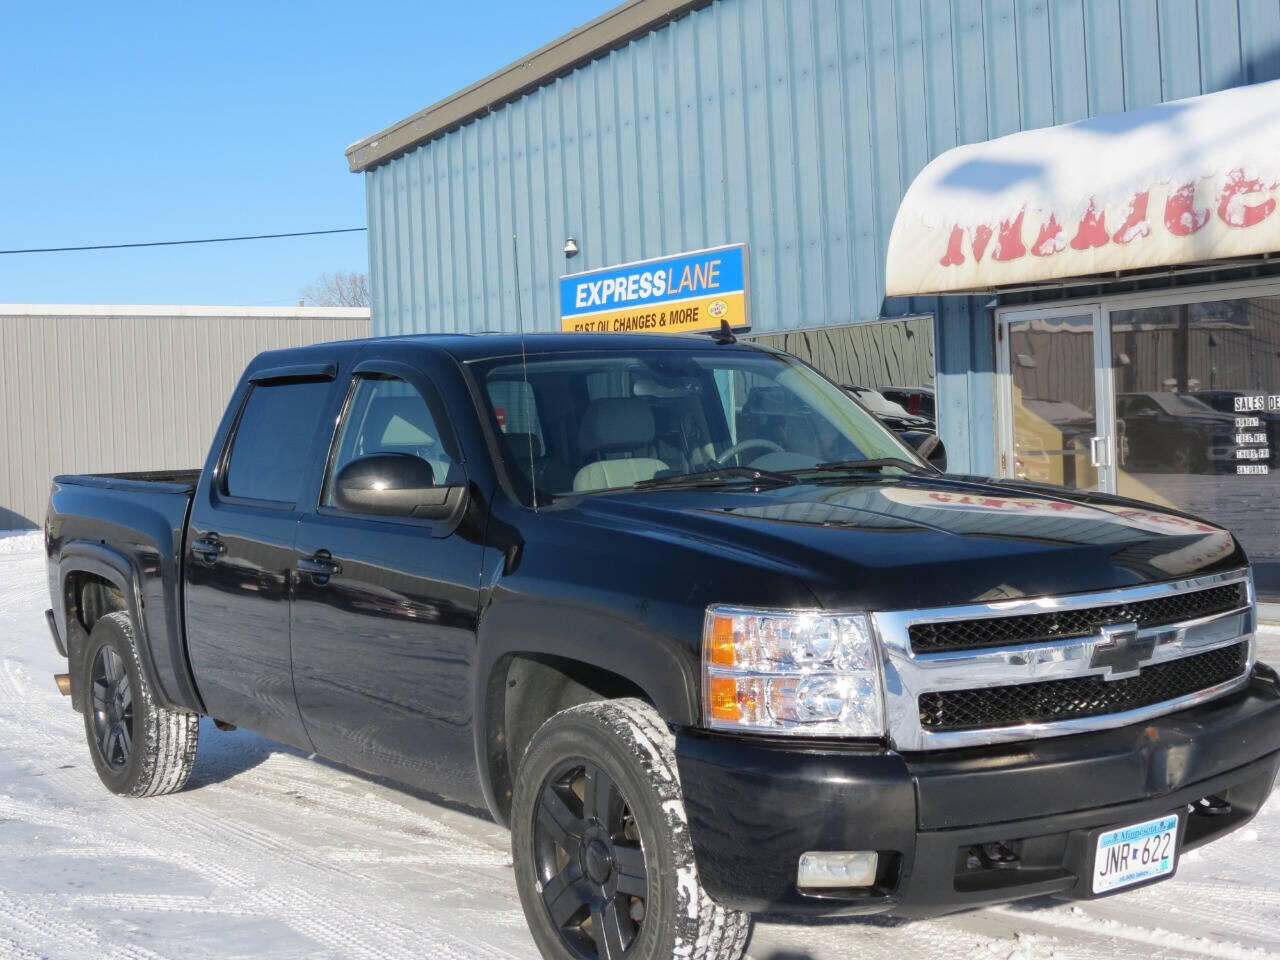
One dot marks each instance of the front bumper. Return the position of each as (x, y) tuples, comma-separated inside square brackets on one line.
[(755, 806)]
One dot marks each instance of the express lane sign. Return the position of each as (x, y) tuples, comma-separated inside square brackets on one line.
[(687, 292)]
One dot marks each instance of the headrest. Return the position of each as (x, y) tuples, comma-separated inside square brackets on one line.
[(615, 423), (519, 443), (767, 400)]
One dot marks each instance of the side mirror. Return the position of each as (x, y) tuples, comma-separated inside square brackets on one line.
[(394, 484), (928, 446)]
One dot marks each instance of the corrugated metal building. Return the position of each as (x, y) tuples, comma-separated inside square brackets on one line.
[(125, 388), (796, 128)]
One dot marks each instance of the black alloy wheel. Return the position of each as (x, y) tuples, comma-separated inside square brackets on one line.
[(589, 861), (112, 708), (138, 747)]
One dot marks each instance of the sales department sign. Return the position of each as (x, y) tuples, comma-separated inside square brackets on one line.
[(680, 294)]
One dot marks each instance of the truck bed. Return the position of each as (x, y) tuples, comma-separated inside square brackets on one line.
[(128, 529), (158, 481)]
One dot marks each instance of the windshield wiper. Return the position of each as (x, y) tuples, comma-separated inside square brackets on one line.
[(849, 466), (718, 477)]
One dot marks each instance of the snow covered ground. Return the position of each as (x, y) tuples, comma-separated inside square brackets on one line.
[(269, 853)]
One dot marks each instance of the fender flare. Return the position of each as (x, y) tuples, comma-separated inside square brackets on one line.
[(661, 674), (84, 557)]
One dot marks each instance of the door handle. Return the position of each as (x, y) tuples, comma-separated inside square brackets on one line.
[(208, 548), (1098, 451), (321, 566)]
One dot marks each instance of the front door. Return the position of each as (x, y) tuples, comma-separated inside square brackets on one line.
[(1054, 416), (385, 606)]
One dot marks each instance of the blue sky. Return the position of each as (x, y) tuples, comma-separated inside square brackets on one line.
[(132, 122)]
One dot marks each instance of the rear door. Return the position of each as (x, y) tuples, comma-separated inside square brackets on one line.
[(240, 549), (384, 629)]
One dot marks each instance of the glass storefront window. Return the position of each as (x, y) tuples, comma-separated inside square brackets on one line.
[(1197, 403), (1053, 403)]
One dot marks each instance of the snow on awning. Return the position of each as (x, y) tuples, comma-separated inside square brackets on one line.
[(1186, 181)]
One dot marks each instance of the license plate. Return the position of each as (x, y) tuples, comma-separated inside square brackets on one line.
[(1133, 854)]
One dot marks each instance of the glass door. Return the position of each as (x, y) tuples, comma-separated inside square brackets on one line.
[(1197, 407), (1054, 418), (1171, 399)]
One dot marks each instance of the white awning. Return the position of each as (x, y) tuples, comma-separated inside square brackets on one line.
[(1181, 182)]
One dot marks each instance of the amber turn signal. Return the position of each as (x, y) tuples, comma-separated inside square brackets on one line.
[(723, 695), (722, 641)]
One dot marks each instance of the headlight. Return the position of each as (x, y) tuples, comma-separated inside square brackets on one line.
[(791, 672)]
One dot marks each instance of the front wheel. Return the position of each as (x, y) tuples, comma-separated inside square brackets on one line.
[(140, 749), (603, 858)]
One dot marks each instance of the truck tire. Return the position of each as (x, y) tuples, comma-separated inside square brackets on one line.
[(139, 749), (603, 858)]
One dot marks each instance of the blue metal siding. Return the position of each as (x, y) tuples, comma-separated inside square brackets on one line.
[(794, 126)]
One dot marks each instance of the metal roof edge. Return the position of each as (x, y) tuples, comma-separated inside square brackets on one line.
[(105, 311), (606, 32)]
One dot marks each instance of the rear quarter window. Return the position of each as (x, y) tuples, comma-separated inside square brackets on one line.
[(271, 449)]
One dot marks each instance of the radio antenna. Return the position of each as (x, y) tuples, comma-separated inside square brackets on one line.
[(524, 365)]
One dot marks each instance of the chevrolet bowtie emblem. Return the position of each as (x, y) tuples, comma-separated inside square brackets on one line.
[(1119, 649)]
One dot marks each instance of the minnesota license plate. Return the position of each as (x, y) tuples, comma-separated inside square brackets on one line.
[(1133, 854)]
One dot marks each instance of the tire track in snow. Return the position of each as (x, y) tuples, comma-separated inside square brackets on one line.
[(346, 930), (356, 870), (338, 925), (1162, 938), (48, 929), (45, 724)]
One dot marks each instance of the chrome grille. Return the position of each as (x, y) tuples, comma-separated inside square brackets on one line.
[(1063, 665), (1079, 696), (1030, 628)]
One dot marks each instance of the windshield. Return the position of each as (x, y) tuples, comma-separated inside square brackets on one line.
[(604, 420)]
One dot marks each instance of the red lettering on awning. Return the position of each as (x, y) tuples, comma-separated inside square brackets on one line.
[(1242, 202), (1093, 229), (1050, 240), (1233, 211), (1180, 213), (1009, 245), (1135, 222), (978, 241)]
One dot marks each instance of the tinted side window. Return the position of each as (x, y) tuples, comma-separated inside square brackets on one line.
[(269, 455), (387, 415)]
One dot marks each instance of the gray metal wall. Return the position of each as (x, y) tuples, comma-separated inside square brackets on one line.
[(108, 389), (794, 125), (893, 353)]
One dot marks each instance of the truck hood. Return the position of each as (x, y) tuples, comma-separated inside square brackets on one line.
[(921, 541)]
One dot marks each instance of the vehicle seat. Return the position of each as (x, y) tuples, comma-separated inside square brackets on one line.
[(550, 473), (617, 436)]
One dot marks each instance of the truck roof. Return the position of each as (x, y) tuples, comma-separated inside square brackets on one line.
[(483, 346)]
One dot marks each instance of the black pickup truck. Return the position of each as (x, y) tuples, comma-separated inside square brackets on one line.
[(703, 658)]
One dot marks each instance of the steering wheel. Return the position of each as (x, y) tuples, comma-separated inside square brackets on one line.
[(737, 449)]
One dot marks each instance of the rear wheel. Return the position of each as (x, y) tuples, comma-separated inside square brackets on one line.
[(603, 858), (139, 748)]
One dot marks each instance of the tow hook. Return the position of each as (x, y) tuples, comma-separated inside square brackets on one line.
[(63, 680), (993, 856), (1209, 807)]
